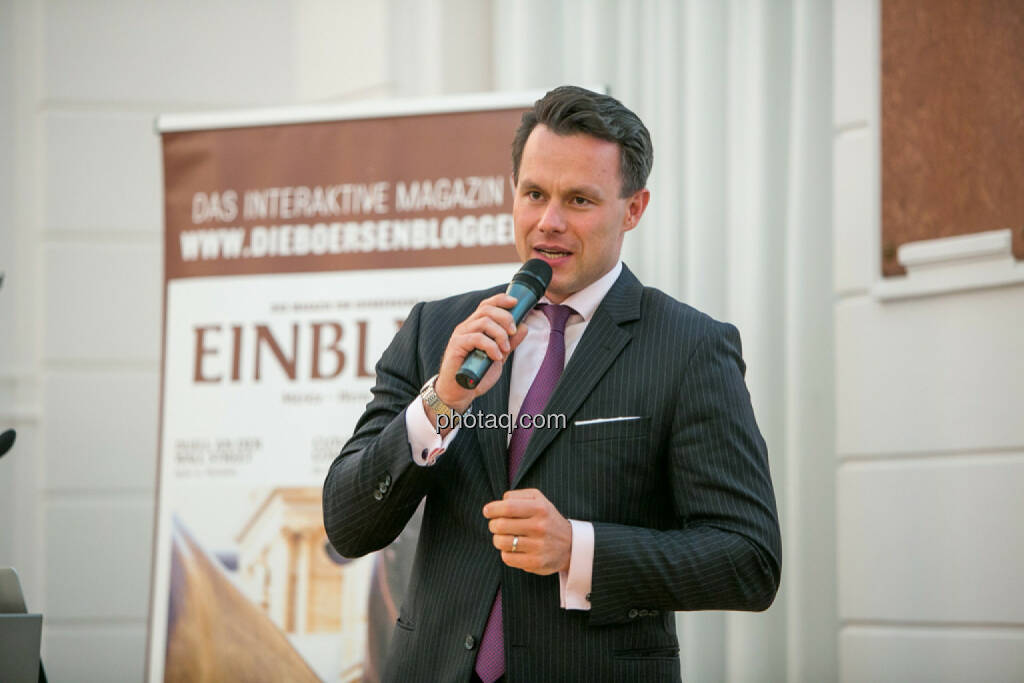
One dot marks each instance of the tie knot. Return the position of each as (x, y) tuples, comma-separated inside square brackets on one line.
[(557, 315)]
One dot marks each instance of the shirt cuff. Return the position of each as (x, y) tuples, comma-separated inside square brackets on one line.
[(574, 585), (424, 441)]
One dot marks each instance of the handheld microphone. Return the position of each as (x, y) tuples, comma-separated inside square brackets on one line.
[(527, 286), (6, 441)]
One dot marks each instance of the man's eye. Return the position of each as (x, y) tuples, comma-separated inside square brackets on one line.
[(533, 194), (580, 201)]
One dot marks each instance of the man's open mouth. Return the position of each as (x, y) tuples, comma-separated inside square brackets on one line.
[(552, 253)]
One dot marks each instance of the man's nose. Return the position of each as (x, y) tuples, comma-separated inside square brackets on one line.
[(552, 219)]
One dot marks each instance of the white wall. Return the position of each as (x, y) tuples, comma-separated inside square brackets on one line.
[(929, 435), (926, 387)]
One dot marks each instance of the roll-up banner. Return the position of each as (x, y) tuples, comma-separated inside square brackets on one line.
[(295, 243)]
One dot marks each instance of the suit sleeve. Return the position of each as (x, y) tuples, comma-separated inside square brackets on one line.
[(725, 553), (373, 487)]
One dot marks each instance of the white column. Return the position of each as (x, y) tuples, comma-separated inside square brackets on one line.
[(703, 120), (808, 503), (527, 40), (758, 76), (439, 46), (342, 50)]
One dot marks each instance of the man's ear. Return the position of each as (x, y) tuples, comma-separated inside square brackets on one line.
[(635, 207)]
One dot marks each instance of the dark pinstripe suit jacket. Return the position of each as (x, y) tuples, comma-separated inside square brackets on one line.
[(681, 499)]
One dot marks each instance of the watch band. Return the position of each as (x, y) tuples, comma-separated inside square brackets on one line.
[(431, 398)]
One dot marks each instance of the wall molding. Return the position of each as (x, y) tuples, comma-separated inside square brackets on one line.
[(953, 264), (18, 397)]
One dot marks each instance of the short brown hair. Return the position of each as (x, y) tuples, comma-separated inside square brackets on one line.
[(571, 110)]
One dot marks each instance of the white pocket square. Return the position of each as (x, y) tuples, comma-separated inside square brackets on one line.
[(599, 420)]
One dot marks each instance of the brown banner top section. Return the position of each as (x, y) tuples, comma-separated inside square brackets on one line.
[(394, 192), (952, 121)]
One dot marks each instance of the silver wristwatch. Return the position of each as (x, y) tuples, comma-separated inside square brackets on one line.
[(436, 404)]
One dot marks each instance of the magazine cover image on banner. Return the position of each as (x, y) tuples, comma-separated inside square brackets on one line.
[(293, 253)]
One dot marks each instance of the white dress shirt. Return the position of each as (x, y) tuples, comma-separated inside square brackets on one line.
[(427, 445)]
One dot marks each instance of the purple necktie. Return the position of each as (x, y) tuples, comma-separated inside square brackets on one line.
[(490, 660)]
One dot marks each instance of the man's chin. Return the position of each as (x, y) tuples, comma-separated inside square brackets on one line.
[(558, 292)]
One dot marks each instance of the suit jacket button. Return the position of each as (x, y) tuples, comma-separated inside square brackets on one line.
[(633, 614), (382, 487), (377, 495), (387, 479), (588, 597), (470, 642)]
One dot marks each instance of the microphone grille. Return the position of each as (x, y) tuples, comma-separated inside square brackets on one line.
[(535, 274)]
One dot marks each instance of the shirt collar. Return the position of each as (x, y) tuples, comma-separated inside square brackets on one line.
[(586, 301)]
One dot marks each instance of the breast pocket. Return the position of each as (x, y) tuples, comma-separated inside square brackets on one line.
[(606, 429)]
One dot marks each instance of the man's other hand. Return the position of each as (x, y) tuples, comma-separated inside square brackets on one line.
[(545, 536)]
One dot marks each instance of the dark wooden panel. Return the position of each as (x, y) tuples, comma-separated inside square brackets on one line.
[(952, 120)]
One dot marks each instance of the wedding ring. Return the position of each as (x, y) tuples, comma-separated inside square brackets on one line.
[(515, 544)]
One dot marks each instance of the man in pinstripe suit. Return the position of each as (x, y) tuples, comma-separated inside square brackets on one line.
[(566, 560)]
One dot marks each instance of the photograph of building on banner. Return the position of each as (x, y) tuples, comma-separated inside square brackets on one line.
[(293, 253)]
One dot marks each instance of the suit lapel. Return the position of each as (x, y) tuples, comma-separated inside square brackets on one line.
[(603, 341), (493, 442)]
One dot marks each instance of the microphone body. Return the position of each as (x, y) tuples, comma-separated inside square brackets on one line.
[(527, 286)]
